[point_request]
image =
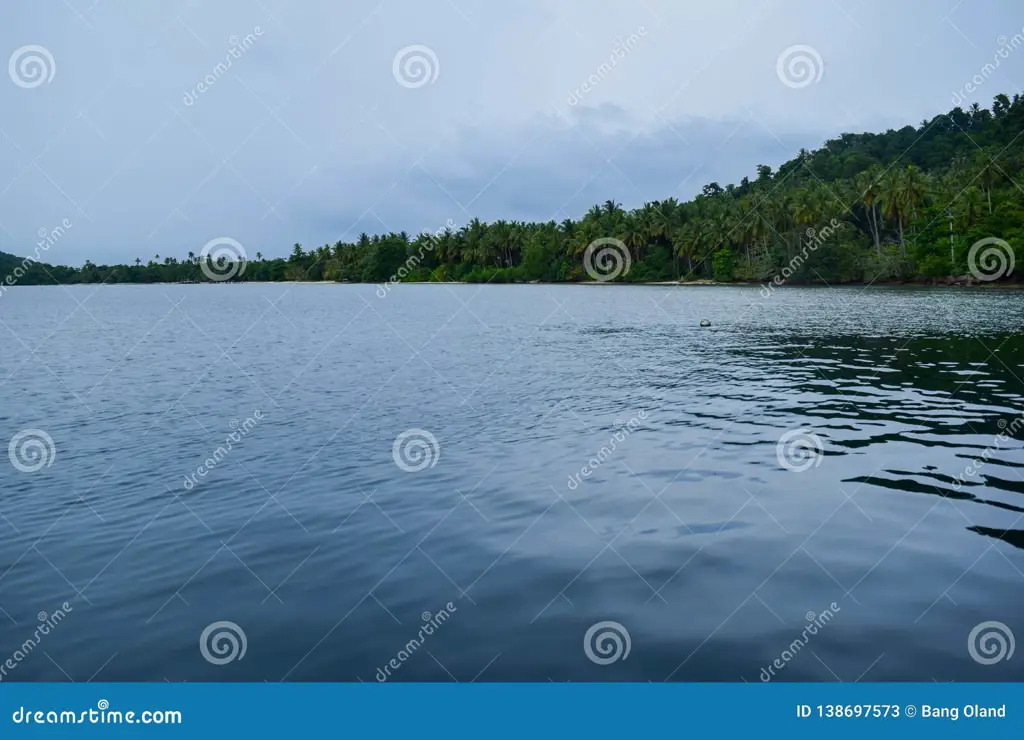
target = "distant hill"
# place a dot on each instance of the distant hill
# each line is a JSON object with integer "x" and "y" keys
{"x": 34, "y": 272}
{"x": 8, "y": 262}
{"x": 937, "y": 202}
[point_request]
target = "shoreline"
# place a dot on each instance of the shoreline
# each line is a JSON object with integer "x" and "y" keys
{"x": 585, "y": 283}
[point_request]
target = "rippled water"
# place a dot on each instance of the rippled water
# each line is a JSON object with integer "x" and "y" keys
{"x": 599, "y": 458}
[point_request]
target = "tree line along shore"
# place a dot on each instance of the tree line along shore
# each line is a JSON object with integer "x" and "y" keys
{"x": 939, "y": 202}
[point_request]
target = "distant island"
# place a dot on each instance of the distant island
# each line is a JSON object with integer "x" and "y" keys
{"x": 937, "y": 203}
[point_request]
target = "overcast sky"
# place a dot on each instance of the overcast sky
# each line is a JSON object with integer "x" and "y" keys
{"x": 314, "y": 133}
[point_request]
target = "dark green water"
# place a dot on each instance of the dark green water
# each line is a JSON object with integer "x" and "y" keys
{"x": 598, "y": 458}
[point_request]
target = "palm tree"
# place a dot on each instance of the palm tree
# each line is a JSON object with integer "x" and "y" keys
{"x": 803, "y": 212}
{"x": 870, "y": 194}
{"x": 448, "y": 248}
{"x": 892, "y": 198}
{"x": 612, "y": 217}
{"x": 915, "y": 189}
{"x": 988, "y": 177}
{"x": 634, "y": 235}
{"x": 475, "y": 233}
{"x": 693, "y": 239}
{"x": 611, "y": 208}
{"x": 1000, "y": 105}
{"x": 742, "y": 226}
{"x": 975, "y": 113}
{"x": 567, "y": 232}
{"x": 904, "y": 193}
{"x": 970, "y": 205}
{"x": 667, "y": 218}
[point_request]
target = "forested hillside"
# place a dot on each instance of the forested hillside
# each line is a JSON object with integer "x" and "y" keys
{"x": 900, "y": 205}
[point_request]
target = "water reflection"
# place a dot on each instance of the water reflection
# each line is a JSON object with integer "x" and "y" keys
{"x": 1013, "y": 537}
{"x": 951, "y": 392}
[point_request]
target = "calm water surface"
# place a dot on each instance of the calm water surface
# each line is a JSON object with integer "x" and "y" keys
{"x": 599, "y": 458}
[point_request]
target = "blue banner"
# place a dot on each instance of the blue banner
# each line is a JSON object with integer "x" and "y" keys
{"x": 510, "y": 710}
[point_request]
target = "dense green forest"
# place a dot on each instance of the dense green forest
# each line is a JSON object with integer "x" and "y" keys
{"x": 905, "y": 205}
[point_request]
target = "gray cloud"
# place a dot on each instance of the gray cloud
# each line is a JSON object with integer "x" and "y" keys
{"x": 308, "y": 137}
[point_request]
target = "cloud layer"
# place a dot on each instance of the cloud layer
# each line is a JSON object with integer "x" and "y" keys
{"x": 166, "y": 125}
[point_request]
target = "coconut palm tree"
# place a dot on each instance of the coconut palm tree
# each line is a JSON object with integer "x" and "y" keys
{"x": 634, "y": 235}
{"x": 613, "y": 212}
{"x": 893, "y": 205}
{"x": 694, "y": 238}
{"x": 868, "y": 184}
{"x": 988, "y": 175}
{"x": 969, "y": 207}
{"x": 915, "y": 188}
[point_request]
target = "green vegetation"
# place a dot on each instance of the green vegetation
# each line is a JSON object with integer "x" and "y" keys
{"x": 903, "y": 205}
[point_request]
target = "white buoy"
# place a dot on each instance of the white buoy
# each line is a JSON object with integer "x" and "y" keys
{"x": 705, "y": 322}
